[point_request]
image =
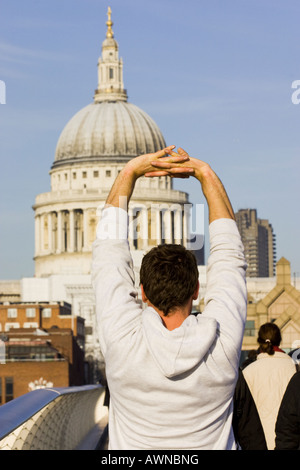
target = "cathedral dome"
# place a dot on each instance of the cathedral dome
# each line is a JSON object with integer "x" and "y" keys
{"x": 110, "y": 129}
{"x": 92, "y": 149}
{"x": 106, "y": 131}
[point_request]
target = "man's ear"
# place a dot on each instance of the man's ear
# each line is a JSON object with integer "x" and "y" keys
{"x": 144, "y": 298}
{"x": 196, "y": 293}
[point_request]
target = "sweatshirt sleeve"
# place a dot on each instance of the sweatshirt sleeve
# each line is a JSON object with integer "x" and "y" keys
{"x": 226, "y": 292}
{"x": 117, "y": 308}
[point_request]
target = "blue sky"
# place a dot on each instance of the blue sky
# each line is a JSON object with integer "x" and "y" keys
{"x": 215, "y": 75}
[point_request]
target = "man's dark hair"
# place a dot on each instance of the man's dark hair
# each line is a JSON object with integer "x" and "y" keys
{"x": 169, "y": 275}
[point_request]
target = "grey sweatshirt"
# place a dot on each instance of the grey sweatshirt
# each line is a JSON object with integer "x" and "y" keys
{"x": 169, "y": 389}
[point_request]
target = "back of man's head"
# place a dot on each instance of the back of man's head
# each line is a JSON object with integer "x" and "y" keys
{"x": 169, "y": 276}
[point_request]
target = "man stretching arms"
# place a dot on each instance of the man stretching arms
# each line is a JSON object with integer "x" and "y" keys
{"x": 171, "y": 375}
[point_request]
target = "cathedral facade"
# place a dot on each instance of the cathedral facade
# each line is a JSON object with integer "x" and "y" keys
{"x": 93, "y": 147}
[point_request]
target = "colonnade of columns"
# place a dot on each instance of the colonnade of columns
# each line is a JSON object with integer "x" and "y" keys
{"x": 69, "y": 231}
{"x": 157, "y": 224}
{"x": 64, "y": 231}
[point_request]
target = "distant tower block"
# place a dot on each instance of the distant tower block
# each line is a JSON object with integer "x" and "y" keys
{"x": 259, "y": 243}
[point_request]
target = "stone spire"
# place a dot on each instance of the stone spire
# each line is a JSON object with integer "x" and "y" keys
{"x": 110, "y": 69}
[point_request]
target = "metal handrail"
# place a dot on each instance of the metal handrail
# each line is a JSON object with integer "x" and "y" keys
{"x": 19, "y": 410}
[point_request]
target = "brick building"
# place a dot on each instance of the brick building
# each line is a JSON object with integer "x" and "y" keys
{"x": 41, "y": 344}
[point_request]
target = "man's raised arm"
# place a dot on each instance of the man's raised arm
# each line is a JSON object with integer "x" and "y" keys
{"x": 226, "y": 294}
{"x": 219, "y": 205}
{"x": 112, "y": 271}
{"x": 123, "y": 186}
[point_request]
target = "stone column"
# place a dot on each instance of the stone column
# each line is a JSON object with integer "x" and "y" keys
{"x": 158, "y": 226}
{"x": 131, "y": 227}
{"x": 152, "y": 226}
{"x": 66, "y": 230}
{"x": 50, "y": 239}
{"x": 37, "y": 235}
{"x": 185, "y": 224}
{"x": 144, "y": 229}
{"x": 78, "y": 230}
{"x": 85, "y": 230}
{"x": 178, "y": 226}
{"x": 42, "y": 238}
{"x": 168, "y": 226}
{"x": 72, "y": 231}
{"x": 59, "y": 231}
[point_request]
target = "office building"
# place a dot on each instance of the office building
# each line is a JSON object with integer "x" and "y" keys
{"x": 259, "y": 243}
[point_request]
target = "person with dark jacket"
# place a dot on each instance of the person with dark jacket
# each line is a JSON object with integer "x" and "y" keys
{"x": 268, "y": 377}
{"x": 288, "y": 419}
{"x": 247, "y": 427}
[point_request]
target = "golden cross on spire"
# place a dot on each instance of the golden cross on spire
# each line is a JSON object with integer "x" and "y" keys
{"x": 109, "y": 23}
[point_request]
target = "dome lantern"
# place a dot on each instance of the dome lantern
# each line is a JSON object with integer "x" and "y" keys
{"x": 110, "y": 69}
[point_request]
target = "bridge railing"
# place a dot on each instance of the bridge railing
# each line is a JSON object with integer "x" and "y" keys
{"x": 54, "y": 419}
